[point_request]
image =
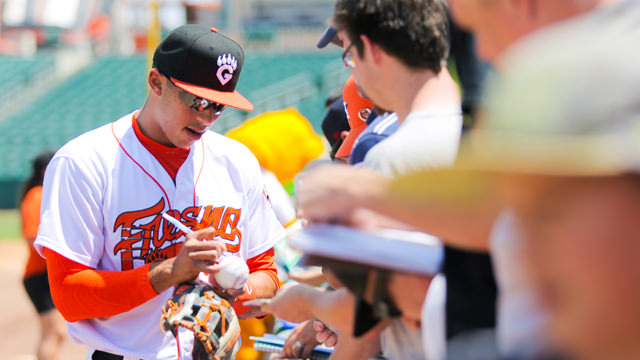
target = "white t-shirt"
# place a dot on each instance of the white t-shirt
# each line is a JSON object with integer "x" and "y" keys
{"x": 398, "y": 342}
{"x": 103, "y": 197}
{"x": 434, "y": 322}
{"x": 520, "y": 318}
{"x": 425, "y": 139}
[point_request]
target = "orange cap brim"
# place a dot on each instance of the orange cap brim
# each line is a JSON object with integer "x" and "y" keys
{"x": 347, "y": 145}
{"x": 233, "y": 99}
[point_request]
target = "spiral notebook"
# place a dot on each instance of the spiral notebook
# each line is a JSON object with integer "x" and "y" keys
{"x": 273, "y": 344}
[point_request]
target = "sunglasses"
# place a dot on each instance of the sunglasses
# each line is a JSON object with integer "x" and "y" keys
{"x": 348, "y": 59}
{"x": 197, "y": 103}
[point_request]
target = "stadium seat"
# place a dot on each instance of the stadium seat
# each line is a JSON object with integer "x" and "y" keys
{"x": 114, "y": 86}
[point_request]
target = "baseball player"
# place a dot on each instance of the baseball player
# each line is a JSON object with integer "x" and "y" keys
{"x": 113, "y": 260}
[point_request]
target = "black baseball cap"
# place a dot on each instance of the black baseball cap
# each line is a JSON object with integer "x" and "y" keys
{"x": 203, "y": 62}
{"x": 334, "y": 123}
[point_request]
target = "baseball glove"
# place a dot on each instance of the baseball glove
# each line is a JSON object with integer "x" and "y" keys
{"x": 194, "y": 306}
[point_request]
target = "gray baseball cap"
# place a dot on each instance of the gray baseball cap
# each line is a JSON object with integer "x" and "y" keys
{"x": 575, "y": 111}
{"x": 571, "y": 112}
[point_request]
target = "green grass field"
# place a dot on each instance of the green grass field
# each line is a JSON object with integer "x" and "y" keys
{"x": 9, "y": 225}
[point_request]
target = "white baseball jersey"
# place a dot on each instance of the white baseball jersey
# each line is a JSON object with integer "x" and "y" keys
{"x": 104, "y": 194}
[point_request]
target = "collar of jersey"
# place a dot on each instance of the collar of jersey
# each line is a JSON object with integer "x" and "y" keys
{"x": 171, "y": 158}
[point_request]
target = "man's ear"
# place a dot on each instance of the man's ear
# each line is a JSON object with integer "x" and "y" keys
{"x": 155, "y": 82}
{"x": 370, "y": 49}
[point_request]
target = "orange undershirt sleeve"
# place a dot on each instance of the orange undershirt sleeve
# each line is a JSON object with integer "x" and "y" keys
{"x": 80, "y": 292}
{"x": 265, "y": 262}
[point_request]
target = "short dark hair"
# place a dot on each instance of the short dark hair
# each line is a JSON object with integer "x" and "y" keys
{"x": 416, "y": 32}
{"x": 36, "y": 178}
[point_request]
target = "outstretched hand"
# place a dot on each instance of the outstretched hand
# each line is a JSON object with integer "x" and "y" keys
{"x": 291, "y": 303}
{"x": 324, "y": 335}
{"x": 300, "y": 342}
{"x": 330, "y": 193}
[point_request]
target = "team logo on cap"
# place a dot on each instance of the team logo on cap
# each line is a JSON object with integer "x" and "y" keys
{"x": 363, "y": 114}
{"x": 227, "y": 64}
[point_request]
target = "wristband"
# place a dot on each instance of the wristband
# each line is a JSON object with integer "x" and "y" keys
{"x": 248, "y": 294}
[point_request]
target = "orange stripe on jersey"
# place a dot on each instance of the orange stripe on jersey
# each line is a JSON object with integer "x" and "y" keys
{"x": 291, "y": 222}
{"x": 80, "y": 292}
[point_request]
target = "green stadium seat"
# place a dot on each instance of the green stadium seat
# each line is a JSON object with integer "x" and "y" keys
{"x": 113, "y": 86}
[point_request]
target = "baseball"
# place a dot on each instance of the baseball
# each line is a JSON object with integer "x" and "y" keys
{"x": 233, "y": 274}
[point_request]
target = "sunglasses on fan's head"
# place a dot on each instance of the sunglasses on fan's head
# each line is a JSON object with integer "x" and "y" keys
{"x": 196, "y": 103}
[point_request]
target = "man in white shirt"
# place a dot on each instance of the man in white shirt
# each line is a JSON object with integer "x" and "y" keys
{"x": 398, "y": 60}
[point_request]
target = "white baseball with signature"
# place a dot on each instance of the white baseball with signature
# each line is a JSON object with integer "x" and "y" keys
{"x": 233, "y": 274}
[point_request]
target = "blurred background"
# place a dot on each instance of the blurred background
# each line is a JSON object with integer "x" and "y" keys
{"x": 68, "y": 66}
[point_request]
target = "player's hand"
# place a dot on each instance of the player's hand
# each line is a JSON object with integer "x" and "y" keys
{"x": 229, "y": 294}
{"x": 330, "y": 193}
{"x": 300, "y": 342}
{"x": 324, "y": 335}
{"x": 199, "y": 253}
{"x": 237, "y": 295}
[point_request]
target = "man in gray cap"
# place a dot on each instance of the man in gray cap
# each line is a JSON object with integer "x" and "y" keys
{"x": 560, "y": 148}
